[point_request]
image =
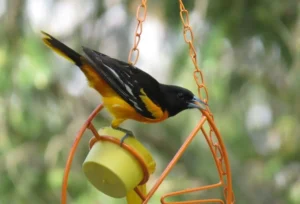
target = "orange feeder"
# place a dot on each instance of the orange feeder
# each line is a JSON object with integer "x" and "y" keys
{"x": 105, "y": 165}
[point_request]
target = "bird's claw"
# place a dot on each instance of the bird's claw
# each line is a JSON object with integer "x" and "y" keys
{"x": 128, "y": 133}
{"x": 124, "y": 137}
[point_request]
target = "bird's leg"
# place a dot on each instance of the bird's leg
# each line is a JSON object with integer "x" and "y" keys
{"x": 128, "y": 133}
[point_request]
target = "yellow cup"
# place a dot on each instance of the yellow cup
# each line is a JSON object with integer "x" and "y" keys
{"x": 114, "y": 170}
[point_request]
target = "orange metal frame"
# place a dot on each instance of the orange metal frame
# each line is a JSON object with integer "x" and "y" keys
{"x": 217, "y": 148}
{"x": 213, "y": 137}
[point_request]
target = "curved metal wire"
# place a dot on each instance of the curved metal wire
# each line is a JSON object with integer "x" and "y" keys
{"x": 72, "y": 153}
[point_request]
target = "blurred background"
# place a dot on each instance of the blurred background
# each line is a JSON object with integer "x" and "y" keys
{"x": 248, "y": 51}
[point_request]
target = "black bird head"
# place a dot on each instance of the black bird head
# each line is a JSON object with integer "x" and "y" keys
{"x": 178, "y": 99}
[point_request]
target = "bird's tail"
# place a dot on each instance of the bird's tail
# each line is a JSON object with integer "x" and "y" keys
{"x": 62, "y": 49}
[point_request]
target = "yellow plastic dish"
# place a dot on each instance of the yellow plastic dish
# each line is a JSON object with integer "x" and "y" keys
{"x": 112, "y": 169}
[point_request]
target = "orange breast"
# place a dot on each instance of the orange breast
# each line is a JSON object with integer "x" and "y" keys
{"x": 121, "y": 110}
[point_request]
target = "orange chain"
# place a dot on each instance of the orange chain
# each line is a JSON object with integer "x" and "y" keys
{"x": 219, "y": 149}
{"x": 189, "y": 39}
{"x": 141, "y": 14}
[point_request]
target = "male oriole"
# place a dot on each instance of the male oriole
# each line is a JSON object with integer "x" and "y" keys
{"x": 127, "y": 91}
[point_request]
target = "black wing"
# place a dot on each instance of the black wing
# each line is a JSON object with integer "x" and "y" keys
{"x": 126, "y": 80}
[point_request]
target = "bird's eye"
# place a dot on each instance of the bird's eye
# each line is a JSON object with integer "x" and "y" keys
{"x": 180, "y": 95}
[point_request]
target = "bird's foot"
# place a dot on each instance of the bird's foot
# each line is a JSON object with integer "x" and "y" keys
{"x": 128, "y": 133}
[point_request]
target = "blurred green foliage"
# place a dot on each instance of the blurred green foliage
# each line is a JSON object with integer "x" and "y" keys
{"x": 247, "y": 49}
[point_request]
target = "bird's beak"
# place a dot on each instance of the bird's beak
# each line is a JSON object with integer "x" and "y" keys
{"x": 197, "y": 103}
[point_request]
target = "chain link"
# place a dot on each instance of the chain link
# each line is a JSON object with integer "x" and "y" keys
{"x": 141, "y": 14}
{"x": 189, "y": 39}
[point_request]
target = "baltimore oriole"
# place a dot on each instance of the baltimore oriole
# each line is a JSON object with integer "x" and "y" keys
{"x": 127, "y": 91}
